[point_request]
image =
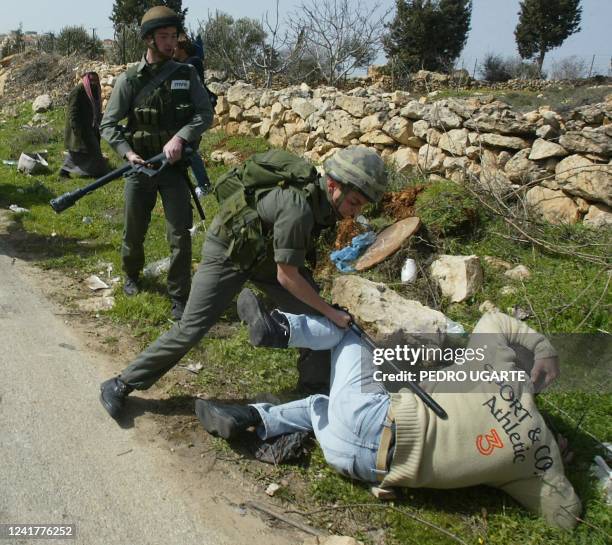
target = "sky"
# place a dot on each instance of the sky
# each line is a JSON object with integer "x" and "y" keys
{"x": 493, "y": 23}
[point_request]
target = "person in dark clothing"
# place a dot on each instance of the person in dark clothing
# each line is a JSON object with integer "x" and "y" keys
{"x": 185, "y": 52}
{"x": 82, "y": 130}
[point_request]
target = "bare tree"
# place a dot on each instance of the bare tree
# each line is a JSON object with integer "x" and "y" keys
{"x": 569, "y": 68}
{"x": 282, "y": 50}
{"x": 340, "y": 35}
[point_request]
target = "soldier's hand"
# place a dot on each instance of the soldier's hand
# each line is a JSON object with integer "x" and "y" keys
{"x": 339, "y": 317}
{"x": 174, "y": 149}
{"x": 134, "y": 158}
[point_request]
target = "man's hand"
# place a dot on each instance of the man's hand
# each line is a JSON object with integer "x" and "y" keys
{"x": 341, "y": 318}
{"x": 174, "y": 149}
{"x": 134, "y": 158}
{"x": 545, "y": 369}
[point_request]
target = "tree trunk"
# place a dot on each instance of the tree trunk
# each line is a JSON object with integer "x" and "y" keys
{"x": 541, "y": 62}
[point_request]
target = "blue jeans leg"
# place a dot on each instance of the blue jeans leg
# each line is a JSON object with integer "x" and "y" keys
{"x": 348, "y": 423}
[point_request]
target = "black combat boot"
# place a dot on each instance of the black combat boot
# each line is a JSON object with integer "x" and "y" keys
{"x": 226, "y": 421}
{"x": 112, "y": 395}
{"x": 130, "y": 286}
{"x": 265, "y": 328}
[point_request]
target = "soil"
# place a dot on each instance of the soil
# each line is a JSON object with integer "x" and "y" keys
{"x": 400, "y": 205}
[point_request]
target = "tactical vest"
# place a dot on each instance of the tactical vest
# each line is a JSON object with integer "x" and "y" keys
{"x": 162, "y": 113}
{"x": 238, "y": 192}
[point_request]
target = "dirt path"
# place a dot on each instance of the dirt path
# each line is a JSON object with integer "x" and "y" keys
{"x": 65, "y": 461}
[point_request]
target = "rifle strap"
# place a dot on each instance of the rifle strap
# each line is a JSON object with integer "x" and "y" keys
{"x": 159, "y": 78}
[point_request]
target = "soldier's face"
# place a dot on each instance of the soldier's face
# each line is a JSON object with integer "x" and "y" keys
{"x": 165, "y": 41}
{"x": 351, "y": 205}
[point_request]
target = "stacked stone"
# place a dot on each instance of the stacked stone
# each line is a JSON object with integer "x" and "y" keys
{"x": 563, "y": 165}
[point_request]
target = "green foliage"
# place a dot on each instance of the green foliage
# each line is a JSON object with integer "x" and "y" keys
{"x": 75, "y": 39}
{"x": 31, "y": 139}
{"x": 544, "y": 25}
{"x": 232, "y": 44}
{"x": 428, "y": 34}
{"x": 130, "y": 12}
{"x": 15, "y": 44}
{"x": 494, "y": 68}
{"x": 128, "y": 47}
{"x": 446, "y": 208}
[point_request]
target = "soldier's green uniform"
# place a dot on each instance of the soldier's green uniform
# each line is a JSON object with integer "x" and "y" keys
{"x": 289, "y": 219}
{"x": 289, "y": 215}
{"x": 178, "y": 106}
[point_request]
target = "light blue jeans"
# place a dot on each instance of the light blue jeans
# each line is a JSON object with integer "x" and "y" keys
{"x": 348, "y": 423}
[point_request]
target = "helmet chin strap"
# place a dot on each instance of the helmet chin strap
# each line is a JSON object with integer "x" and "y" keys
{"x": 336, "y": 205}
{"x": 155, "y": 48}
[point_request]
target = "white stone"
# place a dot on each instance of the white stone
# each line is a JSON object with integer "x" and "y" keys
{"x": 400, "y": 129}
{"x": 520, "y": 272}
{"x": 405, "y": 159}
{"x": 385, "y": 314}
{"x": 552, "y": 206}
{"x": 372, "y": 122}
{"x": 454, "y": 141}
{"x": 42, "y": 103}
{"x": 599, "y": 215}
{"x": 578, "y": 176}
{"x": 459, "y": 277}
{"x": 487, "y": 306}
{"x": 419, "y": 128}
{"x": 431, "y": 158}
{"x": 302, "y": 107}
{"x": 542, "y": 149}
{"x": 499, "y": 141}
{"x": 377, "y": 137}
{"x": 355, "y": 106}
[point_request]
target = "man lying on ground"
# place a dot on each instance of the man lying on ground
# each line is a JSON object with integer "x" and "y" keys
{"x": 494, "y": 434}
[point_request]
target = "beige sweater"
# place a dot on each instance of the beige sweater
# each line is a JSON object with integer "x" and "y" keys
{"x": 494, "y": 434}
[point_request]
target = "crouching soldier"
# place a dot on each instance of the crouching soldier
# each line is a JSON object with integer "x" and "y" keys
{"x": 271, "y": 212}
{"x": 495, "y": 438}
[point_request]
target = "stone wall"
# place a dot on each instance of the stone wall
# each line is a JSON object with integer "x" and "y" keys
{"x": 563, "y": 165}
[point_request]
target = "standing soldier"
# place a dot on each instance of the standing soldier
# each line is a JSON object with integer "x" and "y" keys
{"x": 166, "y": 108}
{"x": 271, "y": 211}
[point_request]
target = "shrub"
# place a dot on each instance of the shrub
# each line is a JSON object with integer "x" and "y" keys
{"x": 494, "y": 68}
{"x": 569, "y": 68}
{"x": 447, "y": 209}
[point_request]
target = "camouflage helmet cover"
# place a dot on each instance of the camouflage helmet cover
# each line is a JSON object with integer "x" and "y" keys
{"x": 159, "y": 17}
{"x": 361, "y": 168}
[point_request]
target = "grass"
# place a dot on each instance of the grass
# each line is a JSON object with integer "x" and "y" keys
{"x": 561, "y": 99}
{"x": 560, "y": 293}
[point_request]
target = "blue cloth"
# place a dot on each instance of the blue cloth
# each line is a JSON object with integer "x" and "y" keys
{"x": 344, "y": 257}
{"x": 348, "y": 424}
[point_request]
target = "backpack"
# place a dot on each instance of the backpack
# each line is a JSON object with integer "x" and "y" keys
{"x": 238, "y": 191}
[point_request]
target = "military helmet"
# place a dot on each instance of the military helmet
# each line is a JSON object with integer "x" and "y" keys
{"x": 360, "y": 168}
{"x": 159, "y": 17}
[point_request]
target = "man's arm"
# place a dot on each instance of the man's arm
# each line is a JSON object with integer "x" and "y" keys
{"x": 116, "y": 110}
{"x": 289, "y": 277}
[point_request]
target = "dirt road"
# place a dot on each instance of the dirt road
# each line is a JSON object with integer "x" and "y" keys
{"x": 64, "y": 461}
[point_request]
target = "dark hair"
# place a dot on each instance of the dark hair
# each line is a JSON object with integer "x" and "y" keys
{"x": 187, "y": 46}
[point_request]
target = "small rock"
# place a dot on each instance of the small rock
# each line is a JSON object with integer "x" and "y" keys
{"x": 157, "y": 268}
{"x": 87, "y": 220}
{"x": 488, "y": 306}
{"x": 96, "y": 304}
{"x": 18, "y": 209}
{"x": 520, "y": 272}
{"x": 41, "y": 103}
{"x": 273, "y": 489}
{"x": 519, "y": 313}
{"x": 194, "y": 367}
{"x": 459, "y": 277}
{"x": 94, "y": 283}
{"x": 507, "y": 290}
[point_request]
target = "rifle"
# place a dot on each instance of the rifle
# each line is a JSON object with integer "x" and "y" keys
{"x": 414, "y": 387}
{"x": 61, "y": 203}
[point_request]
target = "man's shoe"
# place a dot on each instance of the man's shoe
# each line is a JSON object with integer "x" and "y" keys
{"x": 265, "y": 329}
{"x": 112, "y": 395}
{"x": 178, "y": 308}
{"x": 64, "y": 173}
{"x": 130, "y": 286}
{"x": 226, "y": 421}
